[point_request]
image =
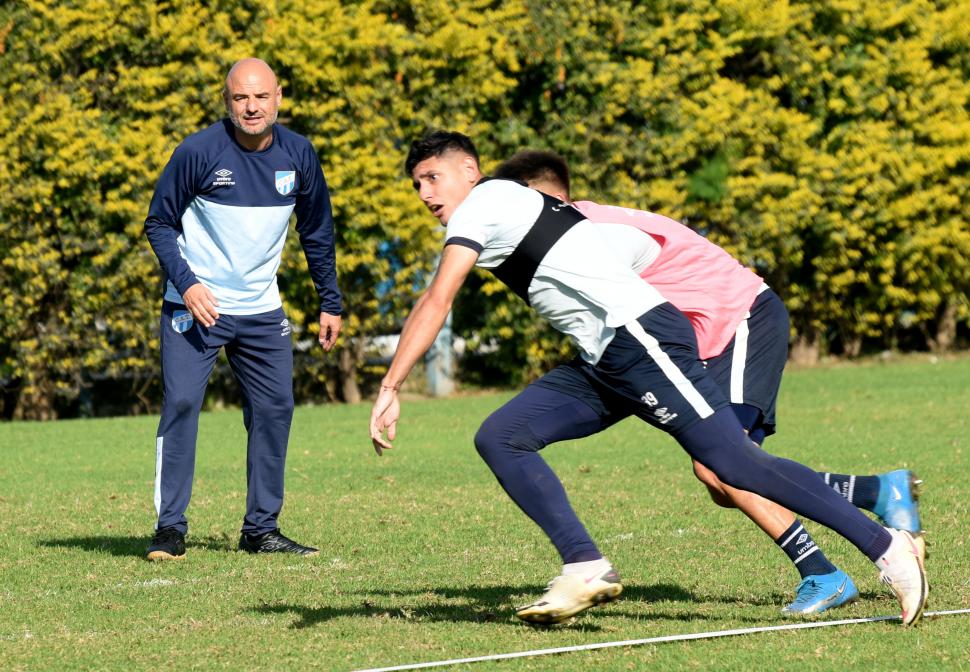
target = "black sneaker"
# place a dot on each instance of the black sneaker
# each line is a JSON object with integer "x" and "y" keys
{"x": 272, "y": 542}
{"x": 167, "y": 544}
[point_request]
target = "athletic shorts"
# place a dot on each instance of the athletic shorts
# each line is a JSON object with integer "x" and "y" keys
{"x": 749, "y": 369}
{"x": 650, "y": 369}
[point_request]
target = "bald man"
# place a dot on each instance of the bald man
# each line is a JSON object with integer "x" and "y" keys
{"x": 217, "y": 224}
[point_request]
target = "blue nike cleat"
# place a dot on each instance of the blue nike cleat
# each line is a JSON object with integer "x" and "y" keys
{"x": 896, "y": 505}
{"x": 817, "y": 593}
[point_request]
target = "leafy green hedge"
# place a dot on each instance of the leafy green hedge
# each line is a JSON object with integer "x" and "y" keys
{"x": 825, "y": 143}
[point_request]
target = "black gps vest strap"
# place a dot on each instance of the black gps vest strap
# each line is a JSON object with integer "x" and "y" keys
{"x": 555, "y": 219}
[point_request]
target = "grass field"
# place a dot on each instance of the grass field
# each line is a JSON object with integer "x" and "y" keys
{"x": 423, "y": 557}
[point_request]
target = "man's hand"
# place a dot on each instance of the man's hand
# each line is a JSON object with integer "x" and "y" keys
{"x": 417, "y": 335}
{"x": 329, "y": 330}
{"x": 386, "y": 411}
{"x": 202, "y": 304}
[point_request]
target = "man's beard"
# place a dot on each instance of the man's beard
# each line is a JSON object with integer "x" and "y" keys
{"x": 252, "y": 131}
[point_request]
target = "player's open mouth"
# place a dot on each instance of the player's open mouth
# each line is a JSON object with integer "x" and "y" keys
{"x": 436, "y": 209}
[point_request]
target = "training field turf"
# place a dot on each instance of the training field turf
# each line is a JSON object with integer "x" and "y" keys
{"x": 423, "y": 556}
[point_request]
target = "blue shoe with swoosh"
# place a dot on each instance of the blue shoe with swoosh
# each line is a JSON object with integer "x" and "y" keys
{"x": 820, "y": 592}
{"x": 897, "y": 503}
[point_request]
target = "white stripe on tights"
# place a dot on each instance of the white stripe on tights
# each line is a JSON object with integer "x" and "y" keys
{"x": 159, "y": 441}
{"x": 738, "y": 359}
{"x": 674, "y": 374}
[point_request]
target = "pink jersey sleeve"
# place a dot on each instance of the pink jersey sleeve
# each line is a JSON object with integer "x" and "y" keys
{"x": 706, "y": 283}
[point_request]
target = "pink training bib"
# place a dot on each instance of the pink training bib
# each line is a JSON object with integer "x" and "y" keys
{"x": 703, "y": 281}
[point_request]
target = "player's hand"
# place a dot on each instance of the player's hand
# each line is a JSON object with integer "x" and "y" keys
{"x": 329, "y": 330}
{"x": 202, "y": 304}
{"x": 386, "y": 411}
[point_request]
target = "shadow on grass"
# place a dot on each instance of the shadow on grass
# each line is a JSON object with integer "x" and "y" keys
{"x": 128, "y": 546}
{"x": 426, "y": 613}
{"x": 479, "y": 605}
{"x": 486, "y": 604}
{"x": 113, "y": 545}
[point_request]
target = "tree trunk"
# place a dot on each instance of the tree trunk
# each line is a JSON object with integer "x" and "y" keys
{"x": 853, "y": 345}
{"x": 806, "y": 350}
{"x": 946, "y": 328}
{"x": 35, "y": 405}
{"x": 347, "y": 370}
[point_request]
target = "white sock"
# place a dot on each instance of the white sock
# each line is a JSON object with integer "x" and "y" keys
{"x": 590, "y": 567}
{"x": 898, "y": 538}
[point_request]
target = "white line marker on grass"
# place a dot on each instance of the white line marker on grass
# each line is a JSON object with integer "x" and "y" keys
{"x": 655, "y": 640}
{"x": 156, "y": 583}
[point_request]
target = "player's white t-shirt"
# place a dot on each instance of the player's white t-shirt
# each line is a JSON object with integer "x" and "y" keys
{"x": 581, "y": 286}
{"x": 633, "y": 247}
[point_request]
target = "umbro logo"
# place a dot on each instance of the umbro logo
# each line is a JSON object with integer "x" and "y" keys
{"x": 223, "y": 178}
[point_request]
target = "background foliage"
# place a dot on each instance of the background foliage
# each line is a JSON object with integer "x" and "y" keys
{"x": 825, "y": 143}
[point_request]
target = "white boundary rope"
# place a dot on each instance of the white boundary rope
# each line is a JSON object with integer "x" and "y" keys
{"x": 656, "y": 640}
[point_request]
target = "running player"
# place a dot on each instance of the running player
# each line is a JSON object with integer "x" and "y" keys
{"x": 742, "y": 336}
{"x": 639, "y": 357}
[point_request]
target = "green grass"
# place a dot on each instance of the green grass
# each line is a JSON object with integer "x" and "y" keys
{"x": 424, "y": 557}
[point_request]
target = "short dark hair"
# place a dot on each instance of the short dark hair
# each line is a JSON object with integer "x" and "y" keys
{"x": 436, "y": 143}
{"x": 531, "y": 165}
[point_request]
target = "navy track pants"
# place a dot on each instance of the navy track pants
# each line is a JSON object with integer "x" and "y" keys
{"x": 261, "y": 357}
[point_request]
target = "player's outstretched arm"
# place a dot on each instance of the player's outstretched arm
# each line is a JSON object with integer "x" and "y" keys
{"x": 420, "y": 330}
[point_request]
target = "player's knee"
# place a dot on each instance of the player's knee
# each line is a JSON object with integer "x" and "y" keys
{"x": 720, "y": 498}
{"x": 283, "y": 408}
{"x": 487, "y": 443}
{"x": 705, "y": 475}
{"x": 713, "y": 484}
{"x": 183, "y": 404}
{"x": 276, "y": 408}
{"x": 493, "y": 440}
